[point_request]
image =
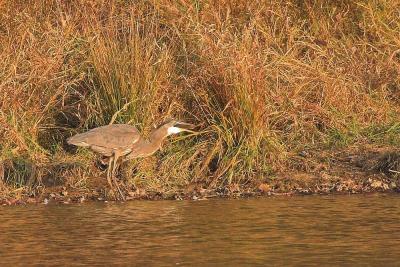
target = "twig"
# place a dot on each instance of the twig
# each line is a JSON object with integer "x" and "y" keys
{"x": 114, "y": 117}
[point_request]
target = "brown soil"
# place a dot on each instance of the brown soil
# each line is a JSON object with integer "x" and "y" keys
{"x": 351, "y": 170}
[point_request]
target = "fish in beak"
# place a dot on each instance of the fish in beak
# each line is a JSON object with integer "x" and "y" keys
{"x": 184, "y": 126}
{"x": 178, "y": 127}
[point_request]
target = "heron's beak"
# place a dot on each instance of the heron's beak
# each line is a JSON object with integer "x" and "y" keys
{"x": 185, "y": 126}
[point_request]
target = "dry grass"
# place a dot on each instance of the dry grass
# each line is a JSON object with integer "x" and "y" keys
{"x": 263, "y": 79}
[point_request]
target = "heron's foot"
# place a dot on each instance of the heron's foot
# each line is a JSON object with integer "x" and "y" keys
{"x": 121, "y": 194}
{"x": 101, "y": 166}
{"x": 114, "y": 194}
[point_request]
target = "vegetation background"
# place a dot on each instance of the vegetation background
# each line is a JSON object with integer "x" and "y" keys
{"x": 263, "y": 80}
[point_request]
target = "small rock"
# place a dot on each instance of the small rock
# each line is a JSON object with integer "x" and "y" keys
{"x": 385, "y": 186}
{"x": 52, "y": 195}
{"x": 195, "y": 197}
{"x": 264, "y": 187}
{"x": 392, "y": 185}
{"x": 304, "y": 154}
{"x": 31, "y": 200}
{"x": 45, "y": 201}
{"x": 203, "y": 191}
{"x": 64, "y": 193}
{"x": 376, "y": 184}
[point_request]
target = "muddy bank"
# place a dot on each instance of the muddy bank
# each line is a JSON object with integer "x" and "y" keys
{"x": 348, "y": 171}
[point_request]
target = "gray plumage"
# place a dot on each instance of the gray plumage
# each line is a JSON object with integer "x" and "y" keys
{"x": 124, "y": 140}
{"x": 107, "y": 139}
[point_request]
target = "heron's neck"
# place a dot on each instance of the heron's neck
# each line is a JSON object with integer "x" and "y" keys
{"x": 157, "y": 137}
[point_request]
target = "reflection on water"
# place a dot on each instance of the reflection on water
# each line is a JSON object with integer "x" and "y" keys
{"x": 334, "y": 230}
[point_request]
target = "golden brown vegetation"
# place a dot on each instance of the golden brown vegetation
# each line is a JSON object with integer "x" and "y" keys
{"x": 262, "y": 79}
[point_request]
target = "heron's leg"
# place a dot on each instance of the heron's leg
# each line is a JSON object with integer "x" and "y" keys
{"x": 116, "y": 157}
{"x": 109, "y": 171}
{"x": 109, "y": 174}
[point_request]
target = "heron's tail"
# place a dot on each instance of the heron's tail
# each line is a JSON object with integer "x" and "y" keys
{"x": 78, "y": 140}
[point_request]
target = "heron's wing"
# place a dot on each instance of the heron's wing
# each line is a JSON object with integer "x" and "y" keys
{"x": 114, "y": 136}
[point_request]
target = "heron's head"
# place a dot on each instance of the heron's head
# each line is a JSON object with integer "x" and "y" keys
{"x": 174, "y": 127}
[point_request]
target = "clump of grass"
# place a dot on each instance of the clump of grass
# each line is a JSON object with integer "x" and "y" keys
{"x": 261, "y": 79}
{"x": 389, "y": 163}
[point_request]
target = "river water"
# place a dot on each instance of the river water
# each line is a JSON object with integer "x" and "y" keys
{"x": 277, "y": 231}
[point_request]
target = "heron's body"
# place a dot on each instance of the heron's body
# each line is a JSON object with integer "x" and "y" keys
{"x": 124, "y": 140}
{"x": 121, "y": 138}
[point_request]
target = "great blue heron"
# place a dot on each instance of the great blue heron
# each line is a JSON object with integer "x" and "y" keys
{"x": 123, "y": 140}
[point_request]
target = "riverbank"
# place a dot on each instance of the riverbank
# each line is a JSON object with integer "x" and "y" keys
{"x": 366, "y": 171}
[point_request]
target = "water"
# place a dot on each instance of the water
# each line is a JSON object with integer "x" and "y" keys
{"x": 301, "y": 231}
